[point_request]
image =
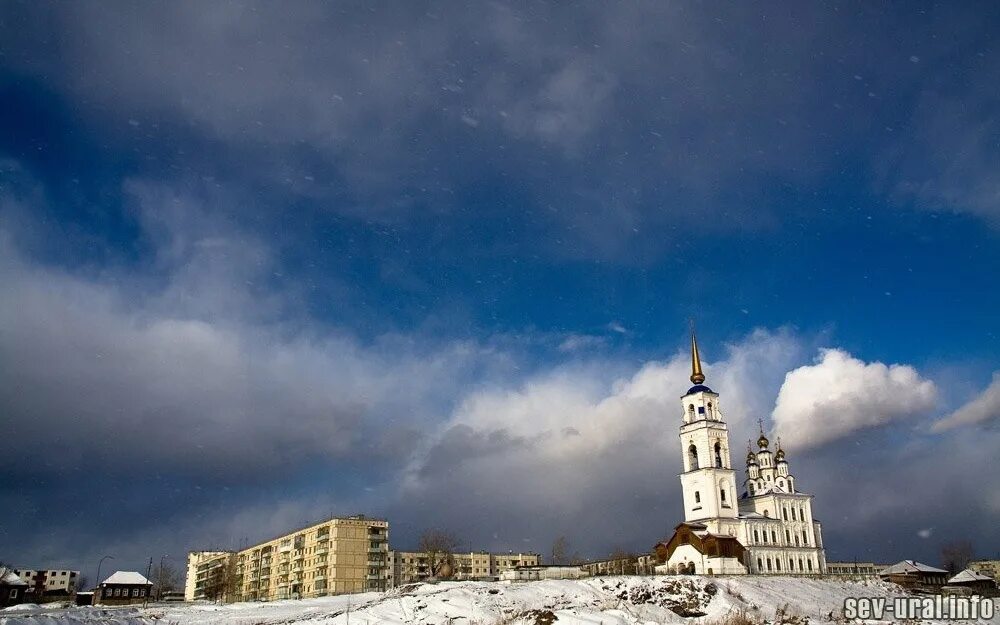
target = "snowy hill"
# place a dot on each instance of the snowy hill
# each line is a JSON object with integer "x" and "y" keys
{"x": 607, "y": 600}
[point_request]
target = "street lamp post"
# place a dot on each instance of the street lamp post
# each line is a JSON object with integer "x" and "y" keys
{"x": 98, "y": 580}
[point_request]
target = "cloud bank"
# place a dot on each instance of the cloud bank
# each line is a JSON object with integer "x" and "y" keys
{"x": 840, "y": 395}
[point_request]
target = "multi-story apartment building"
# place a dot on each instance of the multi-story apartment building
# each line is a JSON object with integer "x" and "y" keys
{"x": 42, "y": 581}
{"x": 339, "y": 555}
{"x": 415, "y": 566}
{"x": 987, "y": 567}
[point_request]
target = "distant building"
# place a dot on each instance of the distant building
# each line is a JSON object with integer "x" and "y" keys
{"x": 543, "y": 571}
{"x": 862, "y": 569}
{"x": 628, "y": 565}
{"x": 54, "y": 582}
{"x": 987, "y": 567}
{"x": 338, "y": 555}
{"x": 916, "y": 575}
{"x": 12, "y": 588}
{"x": 415, "y": 566}
{"x": 122, "y": 588}
{"x": 974, "y": 582}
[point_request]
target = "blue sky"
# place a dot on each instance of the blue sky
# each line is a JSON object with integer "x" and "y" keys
{"x": 263, "y": 265}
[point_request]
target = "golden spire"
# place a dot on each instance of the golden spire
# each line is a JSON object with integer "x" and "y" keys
{"x": 697, "y": 376}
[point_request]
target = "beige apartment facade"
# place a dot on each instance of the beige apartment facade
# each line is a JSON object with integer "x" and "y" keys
{"x": 335, "y": 556}
{"x": 415, "y": 566}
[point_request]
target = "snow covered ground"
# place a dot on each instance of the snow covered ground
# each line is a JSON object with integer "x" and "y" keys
{"x": 604, "y": 600}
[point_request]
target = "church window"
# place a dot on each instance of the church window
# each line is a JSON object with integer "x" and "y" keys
{"x": 788, "y": 537}
{"x": 750, "y": 486}
{"x": 697, "y": 497}
{"x": 722, "y": 493}
{"x": 766, "y": 513}
{"x": 760, "y": 564}
{"x": 784, "y": 512}
{"x": 800, "y": 564}
{"x": 777, "y": 564}
{"x": 809, "y": 563}
{"x": 796, "y": 540}
{"x": 769, "y": 564}
{"x": 774, "y": 537}
{"x": 805, "y": 538}
{"x": 693, "y": 457}
{"x": 756, "y": 536}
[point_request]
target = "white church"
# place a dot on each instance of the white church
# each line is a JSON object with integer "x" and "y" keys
{"x": 768, "y": 529}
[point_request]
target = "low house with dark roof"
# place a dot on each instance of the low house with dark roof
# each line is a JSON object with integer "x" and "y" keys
{"x": 12, "y": 588}
{"x": 913, "y": 574}
{"x": 974, "y": 582}
{"x": 123, "y": 588}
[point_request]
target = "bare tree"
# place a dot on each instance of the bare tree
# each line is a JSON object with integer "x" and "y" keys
{"x": 167, "y": 578}
{"x": 81, "y": 582}
{"x": 955, "y": 556}
{"x": 560, "y": 551}
{"x": 439, "y": 545}
{"x": 221, "y": 581}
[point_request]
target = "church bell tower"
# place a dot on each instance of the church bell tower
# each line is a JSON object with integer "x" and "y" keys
{"x": 708, "y": 481}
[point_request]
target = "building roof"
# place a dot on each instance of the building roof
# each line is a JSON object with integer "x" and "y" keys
{"x": 10, "y": 578}
{"x": 910, "y": 567}
{"x": 126, "y": 577}
{"x": 968, "y": 575}
{"x": 699, "y": 388}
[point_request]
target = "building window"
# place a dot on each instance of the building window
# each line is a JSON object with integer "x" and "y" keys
{"x": 718, "y": 455}
{"x": 693, "y": 457}
{"x": 760, "y": 565}
{"x": 722, "y": 493}
{"x": 784, "y": 512}
{"x": 750, "y": 486}
{"x": 805, "y": 538}
{"x": 777, "y": 564}
{"x": 135, "y": 592}
{"x": 766, "y": 513}
{"x": 774, "y": 537}
{"x": 809, "y": 563}
{"x": 697, "y": 497}
{"x": 769, "y": 564}
{"x": 756, "y": 537}
{"x": 800, "y": 564}
{"x": 788, "y": 537}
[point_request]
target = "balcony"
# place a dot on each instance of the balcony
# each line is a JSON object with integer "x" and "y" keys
{"x": 284, "y": 549}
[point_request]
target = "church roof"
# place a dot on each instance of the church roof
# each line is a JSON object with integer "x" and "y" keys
{"x": 699, "y": 388}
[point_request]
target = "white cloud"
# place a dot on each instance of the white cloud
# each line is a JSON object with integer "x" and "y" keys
{"x": 597, "y": 435}
{"x": 982, "y": 409}
{"x": 841, "y": 394}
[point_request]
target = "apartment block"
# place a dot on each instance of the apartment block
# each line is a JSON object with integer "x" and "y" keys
{"x": 49, "y": 581}
{"x": 415, "y": 566}
{"x": 339, "y": 555}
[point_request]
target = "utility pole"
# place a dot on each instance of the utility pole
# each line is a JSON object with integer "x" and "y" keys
{"x": 149, "y": 567}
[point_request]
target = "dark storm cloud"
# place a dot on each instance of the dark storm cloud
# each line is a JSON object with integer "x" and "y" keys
{"x": 394, "y": 109}
{"x": 189, "y": 370}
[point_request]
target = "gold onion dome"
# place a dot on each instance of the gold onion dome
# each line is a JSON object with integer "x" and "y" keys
{"x": 780, "y": 455}
{"x": 762, "y": 442}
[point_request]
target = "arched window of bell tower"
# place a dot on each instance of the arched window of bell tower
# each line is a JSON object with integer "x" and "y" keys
{"x": 718, "y": 454}
{"x": 693, "y": 457}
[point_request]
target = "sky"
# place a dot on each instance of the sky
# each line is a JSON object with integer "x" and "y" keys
{"x": 436, "y": 262}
